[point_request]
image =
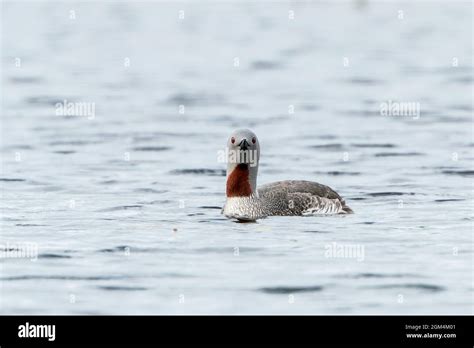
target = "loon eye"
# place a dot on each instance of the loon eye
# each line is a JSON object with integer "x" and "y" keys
{"x": 232, "y": 140}
{"x": 254, "y": 140}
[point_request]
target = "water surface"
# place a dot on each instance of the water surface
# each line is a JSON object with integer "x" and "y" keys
{"x": 124, "y": 207}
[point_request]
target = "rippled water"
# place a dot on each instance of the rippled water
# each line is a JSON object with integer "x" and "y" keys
{"x": 124, "y": 207}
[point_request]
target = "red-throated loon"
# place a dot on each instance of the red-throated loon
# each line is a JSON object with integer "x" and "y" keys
{"x": 246, "y": 202}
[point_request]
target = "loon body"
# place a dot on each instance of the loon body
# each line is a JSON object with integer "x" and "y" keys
{"x": 292, "y": 197}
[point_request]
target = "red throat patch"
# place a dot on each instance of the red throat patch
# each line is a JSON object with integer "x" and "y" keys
{"x": 238, "y": 182}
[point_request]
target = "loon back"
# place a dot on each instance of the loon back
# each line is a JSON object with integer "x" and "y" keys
{"x": 300, "y": 197}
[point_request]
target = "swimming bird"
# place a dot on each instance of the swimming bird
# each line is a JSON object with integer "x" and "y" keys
{"x": 246, "y": 202}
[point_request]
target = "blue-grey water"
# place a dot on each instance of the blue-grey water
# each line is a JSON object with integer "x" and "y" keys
{"x": 121, "y": 206}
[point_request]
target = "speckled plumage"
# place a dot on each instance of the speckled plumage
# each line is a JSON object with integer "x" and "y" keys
{"x": 283, "y": 198}
{"x": 300, "y": 197}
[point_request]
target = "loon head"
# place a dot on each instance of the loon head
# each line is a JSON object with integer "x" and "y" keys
{"x": 242, "y": 163}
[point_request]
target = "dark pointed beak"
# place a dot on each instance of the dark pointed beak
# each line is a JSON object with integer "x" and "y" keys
{"x": 244, "y": 145}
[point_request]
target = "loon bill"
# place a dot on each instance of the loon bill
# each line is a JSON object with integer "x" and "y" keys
{"x": 292, "y": 197}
